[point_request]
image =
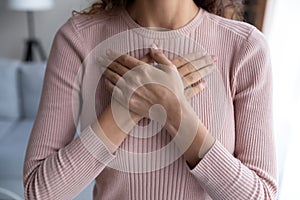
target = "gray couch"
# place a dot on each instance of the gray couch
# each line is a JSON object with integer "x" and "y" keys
{"x": 20, "y": 89}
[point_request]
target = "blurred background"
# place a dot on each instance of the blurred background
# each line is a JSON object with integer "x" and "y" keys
{"x": 27, "y": 28}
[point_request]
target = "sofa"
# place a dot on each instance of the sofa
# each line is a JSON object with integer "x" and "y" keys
{"x": 20, "y": 89}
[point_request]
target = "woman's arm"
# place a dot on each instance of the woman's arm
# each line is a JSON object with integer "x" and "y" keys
{"x": 57, "y": 166}
{"x": 107, "y": 129}
{"x": 161, "y": 85}
{"x": 251, "y": 172}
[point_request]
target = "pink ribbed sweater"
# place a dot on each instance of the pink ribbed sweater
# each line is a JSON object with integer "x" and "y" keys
{"x": 240, "y": 165}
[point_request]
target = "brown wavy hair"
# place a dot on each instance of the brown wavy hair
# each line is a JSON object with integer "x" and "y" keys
{"x": 232, "y": 9}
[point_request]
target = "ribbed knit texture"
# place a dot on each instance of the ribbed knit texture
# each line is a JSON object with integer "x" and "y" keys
{"x": 240, "y": 165}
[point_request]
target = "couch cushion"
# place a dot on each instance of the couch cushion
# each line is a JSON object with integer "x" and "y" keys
{"x": 31, "y": 78}
{"x": 6, "y": 126}
{"x": 12, "y": 153}
{"x": 14, "y": 186}
{"x": 9, "y": 90}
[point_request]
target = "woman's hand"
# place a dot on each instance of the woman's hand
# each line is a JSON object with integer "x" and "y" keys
{"x": 162, "y": 85}
{"x": 192, "y": 69}
{"x": 138, "y": 85}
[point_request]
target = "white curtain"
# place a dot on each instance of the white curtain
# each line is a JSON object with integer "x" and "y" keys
{"x": 283, "y": 33}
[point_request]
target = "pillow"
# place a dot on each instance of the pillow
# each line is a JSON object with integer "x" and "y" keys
{"x": 9, "y": 90}
{"x": 31, "y": 82}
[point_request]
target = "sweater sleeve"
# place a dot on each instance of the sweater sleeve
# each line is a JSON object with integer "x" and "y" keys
{"x": 251, "y": 172}
{"x": 56, "y": 165}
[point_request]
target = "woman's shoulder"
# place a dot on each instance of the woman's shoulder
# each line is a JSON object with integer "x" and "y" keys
{"x": 80, "y": 22}
{"x": 238, "y": 34}
{"x": 231, "y": 27}
{"x": 85, "y": 29}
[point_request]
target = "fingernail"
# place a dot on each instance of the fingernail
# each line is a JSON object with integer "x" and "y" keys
{"x": 108, "y": 52}
{"x": 203, "y": 85}
{"x": 214, "y": 58}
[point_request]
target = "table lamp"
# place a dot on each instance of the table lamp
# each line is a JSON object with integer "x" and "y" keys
{"x": 31, "y": 6}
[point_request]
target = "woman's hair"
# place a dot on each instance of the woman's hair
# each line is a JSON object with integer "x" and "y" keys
{"x": 232, "y": 9}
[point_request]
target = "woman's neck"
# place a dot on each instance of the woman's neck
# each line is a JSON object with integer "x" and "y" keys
{"x": 169, "y": 14}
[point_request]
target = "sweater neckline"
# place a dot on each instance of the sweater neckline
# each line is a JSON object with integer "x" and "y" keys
{"x": 158, "y": 34}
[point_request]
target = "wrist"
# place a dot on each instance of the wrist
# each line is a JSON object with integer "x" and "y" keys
{"x": 112, "y": 129}
{"x": 206, "y": 145}
{"x": 202, "y": 143}
{"x": 182, "y": 114}
{"x": 194, "y": 139}
{"x": 107, "y": 131}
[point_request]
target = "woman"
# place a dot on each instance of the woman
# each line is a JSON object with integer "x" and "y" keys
{"x": 226, "y": 143}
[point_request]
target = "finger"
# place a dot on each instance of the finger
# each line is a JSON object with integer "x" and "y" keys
{"x": 118, "y": 68}
{"x": 190, "y": 92}
{"x": 203, "y": 62}
{"x": 186, "y": 83}
{"x": 103, "y": 61}
{"x": 159, "y": 57}
{"x": 125, "y": 60}
{"x": 207, "y": 70}
{"x": 116, "y": 92}
{"x": 197, "y": 75}
{"x": 109, "y": 85}
{"x": 195, "y": 65}
{"x": 113, "y": 76}
{"x": 182, "y": 60}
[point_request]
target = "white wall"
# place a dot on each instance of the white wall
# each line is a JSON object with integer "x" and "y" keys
{"x": 13, "y": 26}
{"x": 284, "y": 40}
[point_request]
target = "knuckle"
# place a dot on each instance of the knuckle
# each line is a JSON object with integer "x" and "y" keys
{"x": 132, "y": 100}
{"x": 190, "y": 78}
{"x": 114, "y": 66}
{"x": 191, "y": 67}
{"x": 181, "y": 60}
{"x": 133, "y": 80}
{"x": 182, "y": 71}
